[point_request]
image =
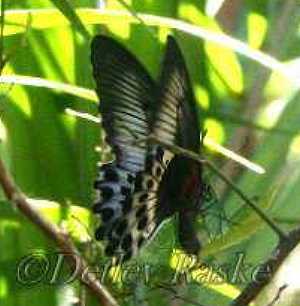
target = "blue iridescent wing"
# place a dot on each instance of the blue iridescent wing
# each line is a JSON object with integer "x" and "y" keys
{"x": 127, "y": 95}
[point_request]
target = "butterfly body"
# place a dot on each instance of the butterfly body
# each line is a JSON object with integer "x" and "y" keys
{"x": 145, "y": 184}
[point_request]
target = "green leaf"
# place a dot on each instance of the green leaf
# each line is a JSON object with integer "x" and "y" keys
{"x": 75, "y": 219}
{"x": 44, "y": 19}
{"x": 60, "y": 87}
{"x": 66, "y": 8}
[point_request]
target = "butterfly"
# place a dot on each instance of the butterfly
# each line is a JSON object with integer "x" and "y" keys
{"x": 145, "y": 184}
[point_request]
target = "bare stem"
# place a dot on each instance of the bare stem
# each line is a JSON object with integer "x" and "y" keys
{"x": 58, "y": 236}
{"x": 177, "y": 296}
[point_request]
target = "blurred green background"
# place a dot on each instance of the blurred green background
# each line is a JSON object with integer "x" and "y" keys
{"x": 249, "y": 106}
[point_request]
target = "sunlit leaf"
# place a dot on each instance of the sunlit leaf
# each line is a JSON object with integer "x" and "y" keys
{"x": 257, "y": 29}
{"x": 44, "y": 19}
{"x": 205, "y": 275}
{"x": 39, "y": 82}
{"x": 74, "y": 219}
{"x": 67, "y": 9}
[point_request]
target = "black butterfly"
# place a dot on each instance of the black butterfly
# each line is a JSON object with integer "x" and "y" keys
{"x": 147, "y": 184}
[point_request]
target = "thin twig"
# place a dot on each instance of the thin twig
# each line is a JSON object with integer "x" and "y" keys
{"x": 278, "y": 295}
{"x": 181, "y": 151}
{"x": 208, "y": 142}
{"x": 178, "y": 296}
{"x": 57, "y": 235}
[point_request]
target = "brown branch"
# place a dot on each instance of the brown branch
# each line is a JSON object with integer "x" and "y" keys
{"x": 278, "y": 295}
{"x": 228, "y": 15}
{"x": 268, "y": 269}
{"x": 58, "y": 236}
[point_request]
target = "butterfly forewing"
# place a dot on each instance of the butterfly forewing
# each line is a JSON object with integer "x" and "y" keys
{"x": 127, "y": 93}
{"x": 177, "y": 123}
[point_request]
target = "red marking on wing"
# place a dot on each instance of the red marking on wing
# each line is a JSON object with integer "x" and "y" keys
{"x": 191, "y": 186}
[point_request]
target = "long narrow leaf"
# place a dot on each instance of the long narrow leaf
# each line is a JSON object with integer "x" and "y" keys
{"x": 39, "y": 82}
{"x": 43, "y": 19}
{"x": 66, "y": 8}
